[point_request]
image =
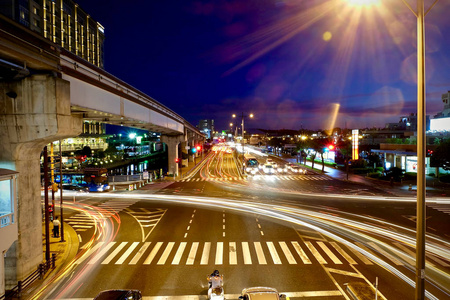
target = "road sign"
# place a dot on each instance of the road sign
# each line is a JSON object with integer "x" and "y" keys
{"x": 145, "y": 175}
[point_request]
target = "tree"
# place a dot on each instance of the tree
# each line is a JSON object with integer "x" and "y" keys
{"x": 302, "y": 145}
{"x": 319, "y": 146}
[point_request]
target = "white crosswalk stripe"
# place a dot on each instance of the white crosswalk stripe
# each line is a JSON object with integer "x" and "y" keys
{"x": 233, "y": 253}
{"x": 445, "y": 208}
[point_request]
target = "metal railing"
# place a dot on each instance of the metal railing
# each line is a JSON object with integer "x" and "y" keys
{"x": 16, "y": 292}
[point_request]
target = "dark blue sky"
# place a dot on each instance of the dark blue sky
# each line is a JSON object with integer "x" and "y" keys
{"x": 293, "y": 63}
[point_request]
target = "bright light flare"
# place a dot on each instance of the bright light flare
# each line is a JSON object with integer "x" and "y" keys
{"x": 363, "y": 2}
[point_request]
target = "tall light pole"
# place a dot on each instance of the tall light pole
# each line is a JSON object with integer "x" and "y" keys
{"x": 421, "y": 146}
{"x": 243, "y": 129}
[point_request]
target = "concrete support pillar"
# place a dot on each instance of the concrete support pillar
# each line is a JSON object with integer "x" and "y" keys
{"x": 37, "y": 115}
{"x": 172, "y": 143}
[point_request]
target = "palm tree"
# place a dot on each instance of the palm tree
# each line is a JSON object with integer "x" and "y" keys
{"x": 319, "y": 146}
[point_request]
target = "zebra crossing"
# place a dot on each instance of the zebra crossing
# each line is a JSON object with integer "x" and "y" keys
{"x": 445, "y": 208}
{"x": 260, "y": 177}
{"x": 86, "y": 220}
{"x": 234, "y": 253}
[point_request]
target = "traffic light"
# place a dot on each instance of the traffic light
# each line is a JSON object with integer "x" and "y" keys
{"x": 177, "y": 160}
{"x": 199, "y": 148}
{"x": 193, "y": 150}
{"x": 331, "y": 147}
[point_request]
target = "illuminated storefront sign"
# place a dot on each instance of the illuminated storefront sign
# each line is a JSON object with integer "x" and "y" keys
{"x": 355, "y": 142}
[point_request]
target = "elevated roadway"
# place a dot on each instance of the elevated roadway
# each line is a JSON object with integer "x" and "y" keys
{"x": 46, "y": 93}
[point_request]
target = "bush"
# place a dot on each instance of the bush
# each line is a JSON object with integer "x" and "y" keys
{"x": 374, "y": 175}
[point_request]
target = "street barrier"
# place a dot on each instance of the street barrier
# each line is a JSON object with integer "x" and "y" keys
{"x": 16, "y": 292}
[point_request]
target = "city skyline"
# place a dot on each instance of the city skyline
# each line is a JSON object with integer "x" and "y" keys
{"x": 293, "y": 64}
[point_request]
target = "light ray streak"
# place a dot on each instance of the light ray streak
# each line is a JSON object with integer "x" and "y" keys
{"x": 314, "y": 221}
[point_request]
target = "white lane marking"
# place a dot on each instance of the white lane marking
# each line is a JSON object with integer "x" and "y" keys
{"x": 127, "y": 253}
{"x": 316, "y": 253}
{"x": 101, "y": 253}
{"x": 152, "y": 254}
{"x": 360, "y": 256}
{"x": 189, "y": 227}
{"x": 192, "y": 253}
{"x": 246, "y": 253}
{"x": 330, "y": 253}
{"x": 273, "y": 252}
{"x": 179, "y": 253}
{"x": 166, "y": 253}
{"x": 301, "y": 253}
{"x": 262, "y": 233}
{"x": 219, "y": 253}
{"x": 139, "y": 254}
{"x": 233, "y": 253}
{"x": 385, "y": 253}
{"x": 223, "y": 227}
{"x": 260, "y": 253}
{"x": 185, "y": 235}
{"x": 343, "y": 253}
{"x": 114, "y": 253}
{"x": 205, "y": 254}
{"x": 287, "y": 253}
{"x": 89, "y": 253}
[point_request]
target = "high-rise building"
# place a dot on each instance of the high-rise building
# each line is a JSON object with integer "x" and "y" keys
{"x": 61, "y": 21}
{"x": 206, "y": 126}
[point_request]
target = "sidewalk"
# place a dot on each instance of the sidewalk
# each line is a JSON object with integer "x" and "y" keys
{"x": 158, "y": 184}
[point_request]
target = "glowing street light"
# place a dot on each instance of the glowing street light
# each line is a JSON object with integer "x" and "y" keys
{"x": 363, "y": 2}
{"x": 421, "y": 139}
{"x": 243, "y": 131}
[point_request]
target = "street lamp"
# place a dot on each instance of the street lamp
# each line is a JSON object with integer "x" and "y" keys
{"x": 421, "y": 142}
{"x": 243, "y": 130}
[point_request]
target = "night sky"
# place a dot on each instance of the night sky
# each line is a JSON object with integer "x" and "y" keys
{"x": 294, "y": 64}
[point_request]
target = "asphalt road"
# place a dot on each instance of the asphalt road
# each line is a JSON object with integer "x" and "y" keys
{"x": 306, "y": 235}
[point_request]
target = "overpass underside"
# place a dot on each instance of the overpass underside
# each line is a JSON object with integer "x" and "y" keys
{"x": 45, "y": 94}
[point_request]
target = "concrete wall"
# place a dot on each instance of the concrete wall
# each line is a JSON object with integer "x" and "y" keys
{"x": 38, "y": 115}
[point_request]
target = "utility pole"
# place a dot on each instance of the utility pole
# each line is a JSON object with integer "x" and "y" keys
{"x": 46, "y": 213}
{"x": 61, "y": 192}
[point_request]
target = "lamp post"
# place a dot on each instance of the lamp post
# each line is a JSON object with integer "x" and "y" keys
{"x": 243, "y": 130}
{"x": 421, "y": 146}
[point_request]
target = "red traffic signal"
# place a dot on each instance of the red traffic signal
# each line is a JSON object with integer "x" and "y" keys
{"x": 331, "y": 147}
{"x": 177, "y": 160}
{"x": 198, "y": 148}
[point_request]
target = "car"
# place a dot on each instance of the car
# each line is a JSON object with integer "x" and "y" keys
{"x": 269, "y": 169}
{"x": 119, "y": 295}
{"x": 261, "y": 293}
{"x": 289, "y": 165}
{"x": 282, "y": 169}
{"x": 296, "y": 169}
{"x": 75, "y": 187}
{"x": 269, "y": 161}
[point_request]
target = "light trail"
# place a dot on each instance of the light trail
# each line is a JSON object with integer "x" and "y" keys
{"x": 338, "y": 228}
{"x": 104, "y": 231}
